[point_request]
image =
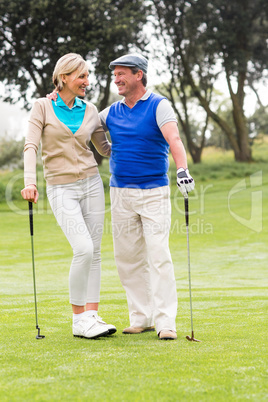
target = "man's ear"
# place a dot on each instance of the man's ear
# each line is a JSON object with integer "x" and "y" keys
{"x": 139, "y": 75}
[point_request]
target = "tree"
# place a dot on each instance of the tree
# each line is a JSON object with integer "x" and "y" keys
{"x": 223, "y": 108}
{"x": 184, "y": 105}
{"x": 258, "y": 122}
{"x": 35, "y": 33}
{"x": 209, "y": 37}
{"x": 178, "y": 89}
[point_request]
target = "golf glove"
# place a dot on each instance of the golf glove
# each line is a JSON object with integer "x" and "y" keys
{"x": 185, "y": 182}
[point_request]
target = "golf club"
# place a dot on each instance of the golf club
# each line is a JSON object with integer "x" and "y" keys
{"x": 38, "y": 336}
{"x": 186, "y": 205}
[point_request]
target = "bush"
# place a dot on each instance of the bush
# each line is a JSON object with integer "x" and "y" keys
{"x": 11, "y": 152}
{"x": 2, "y": 192}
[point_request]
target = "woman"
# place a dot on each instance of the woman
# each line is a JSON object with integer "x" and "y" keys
{"x": 74, "y": 187}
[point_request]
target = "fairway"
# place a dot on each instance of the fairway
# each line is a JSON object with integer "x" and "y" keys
{"x": 228, "y": 250}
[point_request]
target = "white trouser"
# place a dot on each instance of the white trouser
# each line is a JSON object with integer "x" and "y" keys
{"x": 141, "y": 223}
{"x": 79, "y": 210}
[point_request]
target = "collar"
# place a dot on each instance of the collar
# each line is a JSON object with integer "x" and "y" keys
{"x": 59, "y": 102}
{"x": 143, "y": 98}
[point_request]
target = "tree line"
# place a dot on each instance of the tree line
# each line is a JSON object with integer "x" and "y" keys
{"x": 196, "y": 41}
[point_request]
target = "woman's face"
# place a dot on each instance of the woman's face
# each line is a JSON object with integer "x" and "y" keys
{"x": 76, "y": 85}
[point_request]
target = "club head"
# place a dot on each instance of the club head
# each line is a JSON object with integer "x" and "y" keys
{"x": 192, "y": 339}
{"x": 40, "y": 336}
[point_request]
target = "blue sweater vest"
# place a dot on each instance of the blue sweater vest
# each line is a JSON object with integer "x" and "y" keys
{"x": 139, "y": 151}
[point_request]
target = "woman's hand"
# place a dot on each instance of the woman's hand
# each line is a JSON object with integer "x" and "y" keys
{"x": 30, "y": 193}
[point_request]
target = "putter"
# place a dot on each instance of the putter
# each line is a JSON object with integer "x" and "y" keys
{"x": 38, "y": 336}
{"x": 186, "y": 205}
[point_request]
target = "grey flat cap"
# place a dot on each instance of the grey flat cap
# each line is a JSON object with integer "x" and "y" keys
{"x": 131, "y": 60}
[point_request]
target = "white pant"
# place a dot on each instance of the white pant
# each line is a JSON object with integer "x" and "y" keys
{"x": 141, "y": 224}
{"x": 79, "y": 210}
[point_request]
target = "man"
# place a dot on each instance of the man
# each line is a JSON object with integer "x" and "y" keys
{"x": 143, "y": 127}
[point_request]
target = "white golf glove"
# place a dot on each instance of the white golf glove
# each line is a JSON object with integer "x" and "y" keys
{"x": 185, "y": 182}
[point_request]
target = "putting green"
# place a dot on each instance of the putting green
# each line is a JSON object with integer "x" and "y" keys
{"x": 228, "y": 250}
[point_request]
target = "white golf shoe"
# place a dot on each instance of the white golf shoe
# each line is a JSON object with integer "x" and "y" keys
{"x": 111, "y": 328}
{"x": 89, "y": 327}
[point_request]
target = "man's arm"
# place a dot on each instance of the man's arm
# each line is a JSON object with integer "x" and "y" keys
{"x": 171, "y": 134}
{"x": 185, "y": 181}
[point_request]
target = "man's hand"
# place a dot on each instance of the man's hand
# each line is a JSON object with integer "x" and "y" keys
{"x": 52, "y": 96}
{"x": 30, "y": 193}
{"x": 185, "y": 182}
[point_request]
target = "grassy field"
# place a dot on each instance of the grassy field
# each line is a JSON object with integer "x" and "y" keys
{"x": 228, "y": 246}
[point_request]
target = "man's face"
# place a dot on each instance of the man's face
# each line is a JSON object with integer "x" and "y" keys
{"x": 125, "y": 80}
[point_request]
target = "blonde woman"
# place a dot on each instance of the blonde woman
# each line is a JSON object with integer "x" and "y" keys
{"x": 74, "y": 187}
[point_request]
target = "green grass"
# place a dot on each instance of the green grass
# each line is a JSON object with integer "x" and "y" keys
{"x": 229, "y": 290}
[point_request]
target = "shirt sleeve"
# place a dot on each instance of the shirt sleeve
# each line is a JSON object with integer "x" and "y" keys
{"x": 32, "y": 141}
{"x": 103, "y": 116}
{"x": 99, "y": 138}
{"x": 29, "y": 167}
{"x": 35, "y": 127}
{"x": 164, "y": 113}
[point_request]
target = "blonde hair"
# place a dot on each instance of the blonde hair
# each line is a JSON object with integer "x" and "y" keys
{"x": 67, "y": 64}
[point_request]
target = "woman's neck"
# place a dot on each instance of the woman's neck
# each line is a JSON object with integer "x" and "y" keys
{"x": 67, "y": 98}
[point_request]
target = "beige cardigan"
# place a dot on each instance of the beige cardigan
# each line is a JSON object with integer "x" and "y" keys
{"x": 66, "y": 156}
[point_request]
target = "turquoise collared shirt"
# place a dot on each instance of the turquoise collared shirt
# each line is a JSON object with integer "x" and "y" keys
{"x": 73, "y": 117}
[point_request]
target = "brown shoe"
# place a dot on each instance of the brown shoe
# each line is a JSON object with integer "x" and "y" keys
{"x": 137, "y": 330}
{"x": 167, "y": 334}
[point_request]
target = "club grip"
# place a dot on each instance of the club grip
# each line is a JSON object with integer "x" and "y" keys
{"x": 186, "y": 205}
{"x": 31, "y": 217}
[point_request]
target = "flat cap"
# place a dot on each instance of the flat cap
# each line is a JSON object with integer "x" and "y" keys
{"x": 131, "y": 60}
